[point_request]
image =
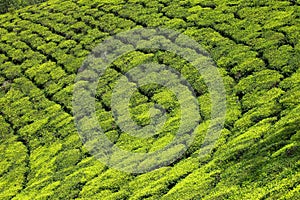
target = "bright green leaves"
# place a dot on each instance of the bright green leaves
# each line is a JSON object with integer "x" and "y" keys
{"x": 67, "y": 159}
{"x": 64, "y": 96}
{"x": 263, "y": 80}
{"x": 242, "y": 143}
{"x": 31, "y": 129}
{"x": 109, "y": 181}
{"x": 41, "y": 73}
{"x": 292, "y": 33}
{"x": 106, "y": 121}
{"x": 194, "y": 186}
{"x": 137, "y": 99}
{"x": 279, "y": 57}
{"x": 166, "y": 99}
{"x": 141, "y": 114}
{"x": 256, "y": 47}
{"x": 288, "y": 150}
{"x": 13, "y": 168}
{"x": 5, "y": 129}
{"x": 16, "y": 4}
{"x": 257, "y": 99}
{"x": 48, "y": 48}
{"x": 247, "y": 66}
{"x": 173, "y": 11}
{"x": 176, "y": 23}
{"x": 10, "y": 70}
{"x": 278, "y": 19}
{"x": 291, "y": 84}
{"x": 131, "y": 60}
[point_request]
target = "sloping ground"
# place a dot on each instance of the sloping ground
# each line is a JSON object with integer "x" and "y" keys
{"x": 6, "y": 6}
{"x": 255, "y": 45}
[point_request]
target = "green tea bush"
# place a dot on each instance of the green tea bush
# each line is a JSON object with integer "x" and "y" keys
{"x": 5, "y": 6}
{"x": 255, "y": 46}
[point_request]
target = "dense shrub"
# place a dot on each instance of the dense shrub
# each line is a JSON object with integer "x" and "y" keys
{"x": 255, "y": 46}
{"x": 15, "y": 4}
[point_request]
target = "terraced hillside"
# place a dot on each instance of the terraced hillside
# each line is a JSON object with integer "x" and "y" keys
{"x": 11, "y": 5}
{"x": 255, "y": 45}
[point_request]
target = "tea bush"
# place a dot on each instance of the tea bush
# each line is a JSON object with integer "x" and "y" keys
{"x": 255, "y": 47}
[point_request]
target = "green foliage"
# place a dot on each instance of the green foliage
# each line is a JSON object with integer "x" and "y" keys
{"x": 255, "y": 45}
{"x": 263, "y": 80}
{"x": 13, "y": 167}
{"x": 67, "y": 159}
{"x": 5, "y": 6}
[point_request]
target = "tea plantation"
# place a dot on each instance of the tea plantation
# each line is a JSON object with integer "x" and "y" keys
{"x": 255, "y": 46}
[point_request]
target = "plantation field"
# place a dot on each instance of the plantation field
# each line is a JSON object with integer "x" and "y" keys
{"x": 255, "y": 47}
